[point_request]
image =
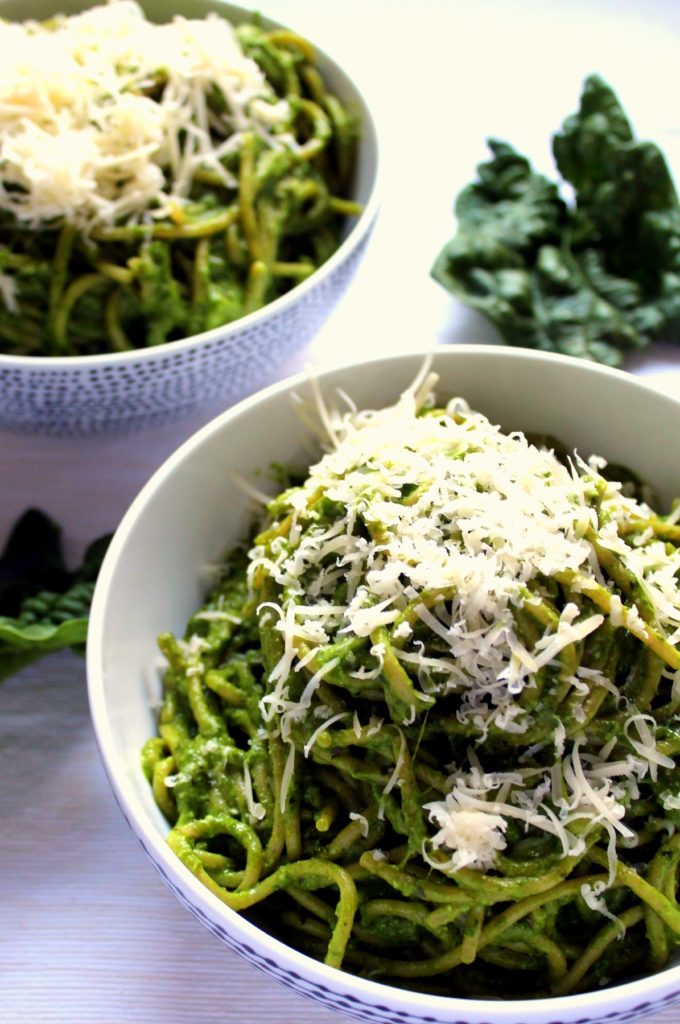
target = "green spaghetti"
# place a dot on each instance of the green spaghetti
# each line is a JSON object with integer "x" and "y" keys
{"x": 157, "y": 181}
{"x": 425, "y": 727}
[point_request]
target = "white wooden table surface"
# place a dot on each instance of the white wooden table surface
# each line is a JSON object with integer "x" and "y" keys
{"x": 88, "y": 933}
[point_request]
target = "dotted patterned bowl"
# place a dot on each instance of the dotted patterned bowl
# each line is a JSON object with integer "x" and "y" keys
{"x": 153, "y": 578}
{"x": 128, "y": 390}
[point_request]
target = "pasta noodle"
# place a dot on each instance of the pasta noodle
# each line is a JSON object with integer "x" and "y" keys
{"x": 425, "y": 727}
{"x": 174, "y": 200}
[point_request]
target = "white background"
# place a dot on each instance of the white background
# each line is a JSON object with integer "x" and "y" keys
{"x": 88, "y": 933}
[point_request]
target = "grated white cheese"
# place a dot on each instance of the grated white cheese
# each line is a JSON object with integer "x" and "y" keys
{"x": 255, "y": 809}
{"x": 363, "y": 821}
{"x": 644, "y": 743}
{"x": 86, "y": 134}
{"x": 592, "y": 897}
{"x": 216, "y": 615}
{"x": 473, "y": 834}
{"x": 322, "y": 728}
{"x": 479, "y": 526}
{"x": 287, "y": 776}
{"x": 443, "y": 524}
{"x": 472, "y": 822}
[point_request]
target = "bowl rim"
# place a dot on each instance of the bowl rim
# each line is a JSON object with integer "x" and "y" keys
{"x": 225, "y": 333}
{"x": 634, "y": 995}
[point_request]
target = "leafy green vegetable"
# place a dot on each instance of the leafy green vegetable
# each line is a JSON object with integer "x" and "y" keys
{"x": 594, "y": 278}
{"x": 43, "y": 606}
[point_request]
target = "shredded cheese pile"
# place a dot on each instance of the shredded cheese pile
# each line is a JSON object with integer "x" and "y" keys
{"x": 446, "y": 515}
{"x": 105, "y": 116}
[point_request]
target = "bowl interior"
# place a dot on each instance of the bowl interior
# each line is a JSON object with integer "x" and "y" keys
{"x": 158, "y": 565}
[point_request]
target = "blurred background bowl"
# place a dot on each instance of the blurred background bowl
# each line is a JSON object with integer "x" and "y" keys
{"x": 193, "y": 510}
{"x": 127, "y": 390}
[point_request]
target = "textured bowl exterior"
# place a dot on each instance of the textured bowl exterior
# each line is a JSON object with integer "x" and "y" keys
{"x": 154, "y": 576}
{"x": 111, "y": 394}
{"x": 105, "y": 394}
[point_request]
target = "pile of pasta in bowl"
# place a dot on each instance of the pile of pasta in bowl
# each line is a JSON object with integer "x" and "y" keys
{"x": 423, "y": 727}
{"x": 180, "y": 206}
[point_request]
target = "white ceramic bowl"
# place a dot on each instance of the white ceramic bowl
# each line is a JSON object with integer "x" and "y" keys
{"x": 191, "y": 511}
{"x": 126, "y": 390}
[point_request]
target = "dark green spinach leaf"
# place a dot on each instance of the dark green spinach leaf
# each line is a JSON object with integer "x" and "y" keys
{"x": 43, "y": 605}
{"x": 594, "y": 278}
